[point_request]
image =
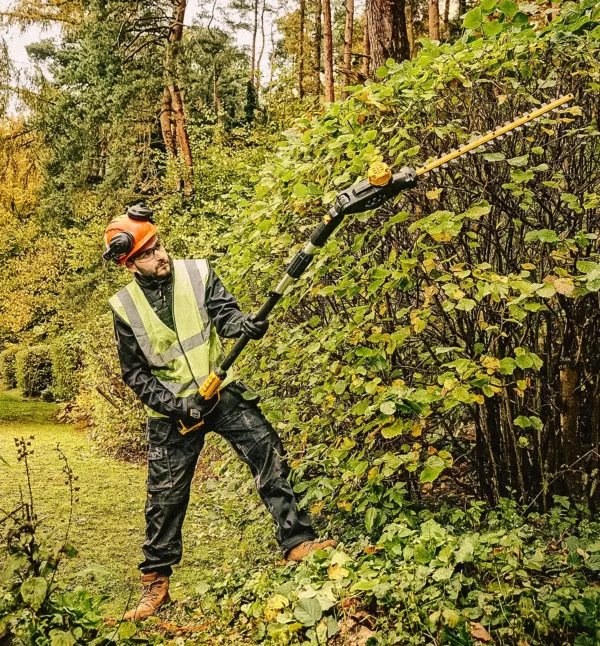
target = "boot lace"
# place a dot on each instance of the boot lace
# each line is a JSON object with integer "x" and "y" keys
{"x": 151, "y": 593}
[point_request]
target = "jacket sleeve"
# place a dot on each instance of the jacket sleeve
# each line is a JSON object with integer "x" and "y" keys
{"x": 223, "y": 309}
{"x": 137, "y": 375}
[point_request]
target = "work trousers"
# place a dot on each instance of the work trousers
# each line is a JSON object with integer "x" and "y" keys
{"x": 172, "y": 459}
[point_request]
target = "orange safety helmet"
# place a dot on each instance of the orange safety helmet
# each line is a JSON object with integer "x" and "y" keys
{"x": 128, "y": 233}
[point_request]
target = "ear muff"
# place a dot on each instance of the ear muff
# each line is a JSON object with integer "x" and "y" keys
{"x": 140, "y": 212}
{"x": 121, "y": 244}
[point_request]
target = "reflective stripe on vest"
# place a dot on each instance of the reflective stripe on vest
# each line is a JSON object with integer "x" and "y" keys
{"x": 180, "y": 360}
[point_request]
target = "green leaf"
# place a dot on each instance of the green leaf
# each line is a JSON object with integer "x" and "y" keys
{"x": 585, "y": 266}
{"x": 488, "y": 5}
{"x": 522, "y": 422}
{"x": 387, "y": 408}
{"x": 34, "y": 591}
{"x": 519, "y": 161}
{"x": 473, "y": 19}
{"x": 536, "y": 423}
{"x": 465, "y": 552}
{"x": 466, "y": 304}
{"x": 127, "y": 630}
{"x": 308, "y": 611}
{"x": 13, "y": 563}
{"x": 507, "y": 366}
{"x": 61, "y": 638}
{"x": 388, "y": 432}
{"x": 593, "y": 563}
{"x": 370, "y": 518}
{"x": 493, "y": 157}
{"x": 493, "y": 28}
{"x": 300, "y": 190}
{"x": 521, "y": 177}
{"x": 382, "y": 72}
{"x": 433, "y": 467}
{"x": 542, "y": 235}
{"x": 508, "y": 8}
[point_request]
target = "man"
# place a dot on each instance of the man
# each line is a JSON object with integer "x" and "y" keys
{"x": 167, "y": 322}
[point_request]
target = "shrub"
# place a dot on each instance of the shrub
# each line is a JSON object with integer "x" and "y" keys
{"x": 104, "y": 403}
{"x": 66, "y": 357}
{"x": 8, "y": 375}
{"x": 34, "y": 370}
{"x": 453, "y": 317}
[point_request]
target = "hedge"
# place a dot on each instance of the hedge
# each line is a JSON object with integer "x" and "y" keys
{"x": 34, "y": 370}
{"x": 66, "y": 355}
{"x": 8, "y": 375}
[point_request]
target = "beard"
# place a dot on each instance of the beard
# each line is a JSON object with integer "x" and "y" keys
{"x": 160, "y": 272}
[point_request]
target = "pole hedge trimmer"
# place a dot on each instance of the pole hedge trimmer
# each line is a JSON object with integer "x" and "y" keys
{"x": 379, "y": 187}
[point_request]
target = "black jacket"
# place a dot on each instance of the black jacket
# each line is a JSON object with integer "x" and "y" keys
{"x": 225, "y": 315}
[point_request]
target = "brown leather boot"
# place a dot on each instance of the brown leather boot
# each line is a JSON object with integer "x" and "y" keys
{"x": 304, "y": 549}
{"x": 156, "y": 594}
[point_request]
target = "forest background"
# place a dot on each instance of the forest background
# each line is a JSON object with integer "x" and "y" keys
{"x": 436, "y": 373}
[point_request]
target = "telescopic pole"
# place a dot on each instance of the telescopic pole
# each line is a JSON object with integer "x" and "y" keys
{"x": 380, "y": 186}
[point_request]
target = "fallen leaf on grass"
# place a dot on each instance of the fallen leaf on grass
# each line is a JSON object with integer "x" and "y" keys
{"x": 480, "y": 633}
{"x": 351, "y": 633}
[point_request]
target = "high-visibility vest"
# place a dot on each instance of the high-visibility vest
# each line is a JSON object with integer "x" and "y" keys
{"x": 180, "y": 359}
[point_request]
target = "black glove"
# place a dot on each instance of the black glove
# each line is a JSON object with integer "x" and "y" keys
{"x": 196, "y": 407}
{"x": 254, "y": 330}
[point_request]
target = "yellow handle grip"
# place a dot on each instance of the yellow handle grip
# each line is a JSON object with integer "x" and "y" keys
{"x": 210, "y": 386}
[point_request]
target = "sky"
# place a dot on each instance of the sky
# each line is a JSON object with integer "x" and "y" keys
{"x": 18, "y": 40}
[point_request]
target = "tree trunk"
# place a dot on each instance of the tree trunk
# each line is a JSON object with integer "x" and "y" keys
{"x": 434, "y": 19}
{"x": 262, "y": 46}
{"x": 348, "y": 42}
{"x": 301, "y": 50}
{"x": 387, "y": 31}
{"x": 165, "y": 124}
{"x": 569, "y": 421}
{"x": 254, "y": 32}
{"x": 182, "y": 136}
{"x": 216, "y": 100}
{"x": 318, "y": 39}
{"x": 328, "y": 51}
{"x": 176, "y": 32}
{"x": 447, "y": 20}
{"x": 410, "y": 31}
{"x": 172, "y": 51}
{"x": 366, "y": 46}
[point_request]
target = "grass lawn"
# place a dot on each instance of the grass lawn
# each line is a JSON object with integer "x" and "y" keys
{"x": 225, "y": 525}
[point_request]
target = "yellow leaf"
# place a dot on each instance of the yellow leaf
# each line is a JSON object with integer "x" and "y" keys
{"x": 276, "y": 603}
{"x": 444, "y": 236}
{"x": 434, "y": 193}
{"x": 491, "y": 363}
{"x": 317, "y": 508}
{"x": 428, "y": 265}
{"x": 345, "y": 505}
{"x": 416, "y": 429}
{"x": 528, "y": 265}
{"x": 373, "y": 473}
{"x": 336, "y": 572}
